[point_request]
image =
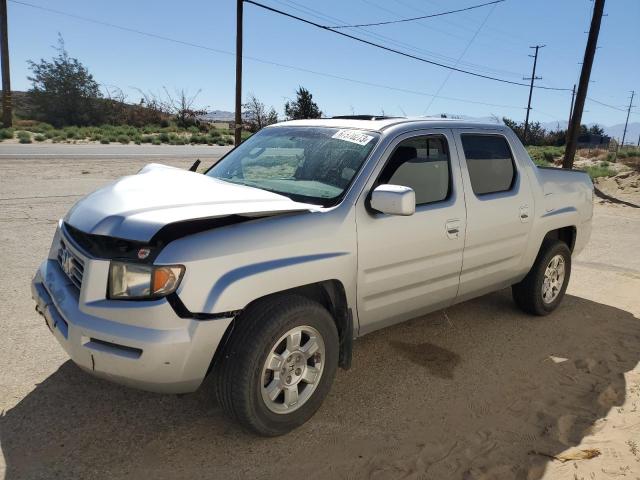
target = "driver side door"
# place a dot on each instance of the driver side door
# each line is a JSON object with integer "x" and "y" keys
{"x": 410, "y": 265}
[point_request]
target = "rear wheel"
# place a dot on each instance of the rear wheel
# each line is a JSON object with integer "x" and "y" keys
{"x": 542, "y": 290}
{"x": 278, "y": 365}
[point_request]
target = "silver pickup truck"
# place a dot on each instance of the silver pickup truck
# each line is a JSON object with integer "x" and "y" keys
{"x": 264, "y": 269}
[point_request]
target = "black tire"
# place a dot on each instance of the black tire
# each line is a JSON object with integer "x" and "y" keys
{"x": 528, "y": 293}
{"x": 238, "y": 373}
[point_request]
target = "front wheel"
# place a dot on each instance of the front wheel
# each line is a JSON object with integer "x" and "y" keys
{"x": 278, "y": 365}
{"x": 542, "y": 290}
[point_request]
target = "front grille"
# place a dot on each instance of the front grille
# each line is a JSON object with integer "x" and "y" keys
{"x": 71, "y": 264}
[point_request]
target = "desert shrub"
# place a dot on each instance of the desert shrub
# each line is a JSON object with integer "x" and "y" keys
{"x": 544, "y": 156}
{"x": 611, "y": 157}
{"x": 104, "y": 141}
{"x": 24, "y": 137}
{"x": 596, "y": 171}
{"x": 604, "y": 163}
{"x": 39, "y": 138}
{"x": 6, "y": 133}
{"x": 156, "y": 141}
{"x": 146, "y": 139}
{"x": 164, "y": 137}
{"x": 124, "y": 139}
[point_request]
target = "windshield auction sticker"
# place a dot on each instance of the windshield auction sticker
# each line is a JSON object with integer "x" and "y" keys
{"x": 352, "y": 136}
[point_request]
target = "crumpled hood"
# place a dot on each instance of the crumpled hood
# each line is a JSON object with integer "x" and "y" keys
{"x": 137, "y": 206}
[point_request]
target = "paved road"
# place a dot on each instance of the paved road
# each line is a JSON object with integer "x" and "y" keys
{"x": 97, "y": 151}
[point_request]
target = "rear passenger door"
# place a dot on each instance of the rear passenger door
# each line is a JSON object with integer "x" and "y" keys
{"x": 499, "y": 203}
{"x": 410, "y": 265}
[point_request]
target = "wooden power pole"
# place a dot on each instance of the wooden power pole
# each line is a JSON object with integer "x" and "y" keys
{"x": 238, "y": 121}
{"x": 7, "y": 117}
{"x": 533, "y": 78}
{"x": 624, "y": 134}
{"x": 583, "y": 85}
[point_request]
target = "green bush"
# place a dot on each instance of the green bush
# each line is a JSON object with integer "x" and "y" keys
{"x": 6, "y": 133}
{"x": 156, "y": 141}
{"x": 544, "y": 156}
{"x": 611, "y": 157}
{"x": 164, "y": 137}
{"x": 104, "y": 141}
{"x": 599, "y": 171}
{"x": 39, "y": 138}
{"x": 124, "y": 139}
{"x": 146, "y": 139}
{"x": 24, "y": 137}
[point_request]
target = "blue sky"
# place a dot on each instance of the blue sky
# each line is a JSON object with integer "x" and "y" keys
{"x": 492, "y": 40}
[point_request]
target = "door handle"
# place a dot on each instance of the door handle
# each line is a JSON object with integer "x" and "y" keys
{"x": 524, "y": 213}
{"x": 452, "y": 228}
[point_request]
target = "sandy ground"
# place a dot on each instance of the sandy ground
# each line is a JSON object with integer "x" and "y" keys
{"x": 480, "y": 391}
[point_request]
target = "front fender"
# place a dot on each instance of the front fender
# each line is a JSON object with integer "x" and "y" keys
{"x": 228, "y": 268}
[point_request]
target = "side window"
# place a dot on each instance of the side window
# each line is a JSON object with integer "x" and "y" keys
{"x": 421, "y": 163}
{"x": 489, "y": 161}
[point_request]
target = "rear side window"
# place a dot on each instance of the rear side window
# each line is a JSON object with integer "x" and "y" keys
{"x": 489, "y": 162}
{"x": 421, "y": 163}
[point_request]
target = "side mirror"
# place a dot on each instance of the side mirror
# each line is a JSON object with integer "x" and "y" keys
{"x": 394, "y": 200}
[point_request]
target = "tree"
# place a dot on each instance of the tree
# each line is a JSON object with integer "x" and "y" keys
{"x": 537, "y": 134}
{"x": 302, "y": 107}
{"x": 596, "y": 129}
{"x": 256, "y": 114}
{"x": 181, "y": 106}
{"x": 63, "y": 92}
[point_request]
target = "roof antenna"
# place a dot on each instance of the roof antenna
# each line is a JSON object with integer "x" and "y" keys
{"x": 194, "y": 167}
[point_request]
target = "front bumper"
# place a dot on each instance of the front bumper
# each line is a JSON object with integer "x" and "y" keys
{"x": 171, "y": 359}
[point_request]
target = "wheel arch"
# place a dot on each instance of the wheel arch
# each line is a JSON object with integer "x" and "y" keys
{"x": 564, "y": 234}
{"x": 331, "y": 295}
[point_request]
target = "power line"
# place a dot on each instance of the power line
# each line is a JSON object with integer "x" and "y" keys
{"x": 327, "y": 18}
{"x": 257, "y": 59}
{"x": 606, "y": 104}
{"x": 464, "y": 52}
{"x": 393, "y": 50}
{"x": 422, "y": 17}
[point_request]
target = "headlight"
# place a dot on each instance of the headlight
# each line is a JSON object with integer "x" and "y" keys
{"x": 134, "y": 281}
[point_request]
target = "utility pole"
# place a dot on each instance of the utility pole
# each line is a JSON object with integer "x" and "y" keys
{"x": 7, "y": 117}
{"x": 573, "y": 97}
{"x": 624, "y": 134}
{"x": 583, "y": 84}
{"x": 533, "y": 78}
{"x": 238, "y": 120}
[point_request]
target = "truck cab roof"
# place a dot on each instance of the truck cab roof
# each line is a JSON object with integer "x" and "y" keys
{"x": 382, "y": 123}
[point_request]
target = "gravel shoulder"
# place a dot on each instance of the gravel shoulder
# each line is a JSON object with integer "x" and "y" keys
{"x": 480, "y": 391}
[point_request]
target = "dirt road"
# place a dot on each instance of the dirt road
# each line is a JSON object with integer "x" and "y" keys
{"x": 480, "y": 391}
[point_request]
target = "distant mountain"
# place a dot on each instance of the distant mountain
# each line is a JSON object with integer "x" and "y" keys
{"x": 221, "y": 116}
{"x": 633, "y": 131}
